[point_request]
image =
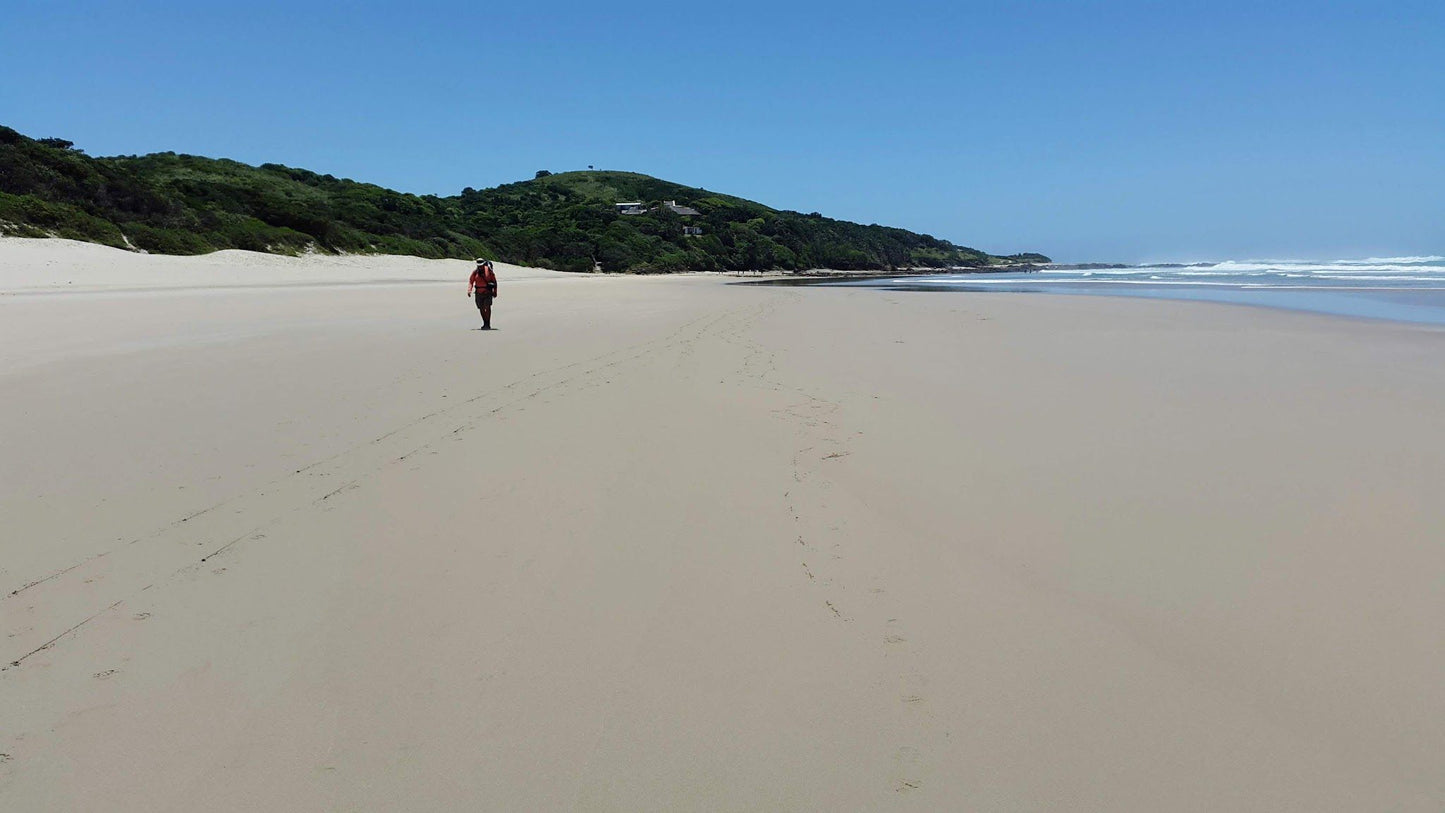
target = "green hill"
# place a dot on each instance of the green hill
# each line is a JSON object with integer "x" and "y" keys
{"x": 184, "y": 204}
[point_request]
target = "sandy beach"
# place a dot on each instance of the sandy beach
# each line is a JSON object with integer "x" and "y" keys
{"x": 289, "y": 534}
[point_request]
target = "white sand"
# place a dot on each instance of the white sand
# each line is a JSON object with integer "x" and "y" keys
{"x": 664, "y": 543}
{"x": 29, "y": 265}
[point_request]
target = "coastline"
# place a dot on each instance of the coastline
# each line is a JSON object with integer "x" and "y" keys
{"x": 670, "y": 542}
{"x": 823, "y": 276}
{"x": 1404, "y": 305}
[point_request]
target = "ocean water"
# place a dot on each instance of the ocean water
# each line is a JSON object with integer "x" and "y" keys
{"x": 1403, "y": 289}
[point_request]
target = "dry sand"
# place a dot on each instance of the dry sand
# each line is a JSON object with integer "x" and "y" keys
{"x": 670, "y": 544}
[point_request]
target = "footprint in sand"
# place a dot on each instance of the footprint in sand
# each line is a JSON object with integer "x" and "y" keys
{"x": 911, "y": 688}
{"x": 906, "y": 763}
{"x": 104, "y": 675}
{"x": 892, "y": 634}
{"x": 141, "y": 616}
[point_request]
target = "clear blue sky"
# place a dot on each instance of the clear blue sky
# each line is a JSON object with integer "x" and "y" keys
{"x": 1086, "y": 130}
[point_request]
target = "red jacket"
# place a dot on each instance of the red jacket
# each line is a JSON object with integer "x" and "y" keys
{"x": 483, "y": 278}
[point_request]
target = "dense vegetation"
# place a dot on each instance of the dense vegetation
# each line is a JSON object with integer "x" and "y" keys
{"x": 184, "y": 204}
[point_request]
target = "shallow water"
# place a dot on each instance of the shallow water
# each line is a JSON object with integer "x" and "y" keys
{"x": 1402, "y": 289}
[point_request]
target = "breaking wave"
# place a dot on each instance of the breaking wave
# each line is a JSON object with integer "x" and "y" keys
{"x": 1396, "y": 270}
{"x": 1402, "y": 289}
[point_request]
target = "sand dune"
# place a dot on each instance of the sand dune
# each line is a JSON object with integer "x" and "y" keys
{"x": 29, "y": 266}
{"x": 668, "y": 543}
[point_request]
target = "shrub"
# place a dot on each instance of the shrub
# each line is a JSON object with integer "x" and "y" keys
{"x": 185, "y": 204}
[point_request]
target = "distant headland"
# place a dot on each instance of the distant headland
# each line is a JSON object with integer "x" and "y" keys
{"x": 581, "y": 221}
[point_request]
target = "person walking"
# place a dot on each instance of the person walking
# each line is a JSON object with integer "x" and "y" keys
{"x": 483, "y": 283}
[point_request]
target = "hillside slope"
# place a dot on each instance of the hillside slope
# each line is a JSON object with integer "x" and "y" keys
{"x": 184, "y": 204}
